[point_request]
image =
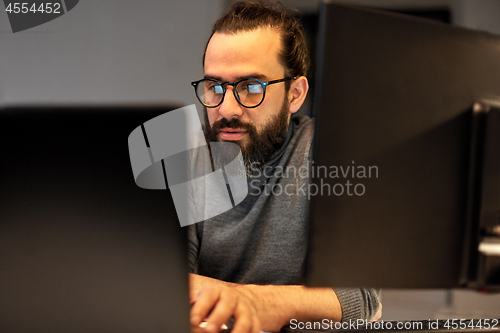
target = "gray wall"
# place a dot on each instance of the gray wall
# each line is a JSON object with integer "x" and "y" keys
{"x": 108, "y": 51}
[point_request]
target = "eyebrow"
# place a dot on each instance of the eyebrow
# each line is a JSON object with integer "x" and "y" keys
{"x": 257, "y": 76}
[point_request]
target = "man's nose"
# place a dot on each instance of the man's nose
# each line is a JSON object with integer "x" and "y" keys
{"x": 230, "y": 106}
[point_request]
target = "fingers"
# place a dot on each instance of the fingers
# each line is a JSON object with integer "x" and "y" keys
{"x": 256, "y": 325}
{"x": 246, "y": 320}
{"x": 193, "y": 295}
{"x": 204, "y": 303}
{"x": 220, "y": 303}
{"x": 223, "y": 310}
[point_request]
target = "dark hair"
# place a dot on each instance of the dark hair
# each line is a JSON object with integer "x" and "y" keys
{"x": 248, "y": 16}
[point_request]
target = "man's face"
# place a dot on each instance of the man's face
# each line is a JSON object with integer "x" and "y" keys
{"x": 231, "y": 57}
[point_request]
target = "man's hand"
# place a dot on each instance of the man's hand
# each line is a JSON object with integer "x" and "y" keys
{"x": 259, "y": 307}
{"x": 218, "y": 303}
{"x": 197, "y": 282}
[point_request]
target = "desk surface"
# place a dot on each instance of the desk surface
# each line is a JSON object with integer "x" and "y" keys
{"x": 195, "y": 329}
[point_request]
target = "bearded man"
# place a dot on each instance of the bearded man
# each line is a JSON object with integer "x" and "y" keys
{"x": 249, "y": 262}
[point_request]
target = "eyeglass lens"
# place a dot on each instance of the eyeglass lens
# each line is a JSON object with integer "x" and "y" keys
{"x": 249, "y": 92}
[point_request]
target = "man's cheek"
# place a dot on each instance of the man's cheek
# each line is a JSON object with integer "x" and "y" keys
{"x": 212, "y": 116}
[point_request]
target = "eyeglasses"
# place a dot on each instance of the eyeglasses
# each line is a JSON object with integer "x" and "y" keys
{"x": 249, "y": 93}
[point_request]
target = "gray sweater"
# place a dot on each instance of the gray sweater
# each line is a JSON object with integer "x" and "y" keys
{"x": 264, "y": 239}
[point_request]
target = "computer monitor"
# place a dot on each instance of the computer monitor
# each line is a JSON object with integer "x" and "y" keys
{"x": 82, "y": 247}
{"x": 396, "y": 165}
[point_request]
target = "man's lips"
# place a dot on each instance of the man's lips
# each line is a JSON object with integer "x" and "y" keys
{"x": 232, "y": 133}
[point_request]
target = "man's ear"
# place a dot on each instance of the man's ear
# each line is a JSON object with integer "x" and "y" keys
{"x": 297, "y": 93}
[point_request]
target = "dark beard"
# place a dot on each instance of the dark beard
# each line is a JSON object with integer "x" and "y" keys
{"x": 261, "y": 146}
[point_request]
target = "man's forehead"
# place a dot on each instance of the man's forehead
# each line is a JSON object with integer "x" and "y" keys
{"x": 230, "y": 56}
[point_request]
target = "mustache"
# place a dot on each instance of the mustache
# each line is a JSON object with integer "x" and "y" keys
{"x": 231, "y": 123}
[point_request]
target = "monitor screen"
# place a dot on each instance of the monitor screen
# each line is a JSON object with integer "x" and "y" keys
{"x": 394, "y": 203}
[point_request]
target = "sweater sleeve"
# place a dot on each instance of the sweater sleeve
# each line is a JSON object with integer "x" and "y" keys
{"x": 358, "y": 303}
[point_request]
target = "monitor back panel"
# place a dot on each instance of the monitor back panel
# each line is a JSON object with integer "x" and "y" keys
{"x": 394, "y": 105}
{"x": 82, "y": 248}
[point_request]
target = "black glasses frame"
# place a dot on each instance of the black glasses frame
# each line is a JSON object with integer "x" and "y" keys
{"x": 264, "y": 84}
